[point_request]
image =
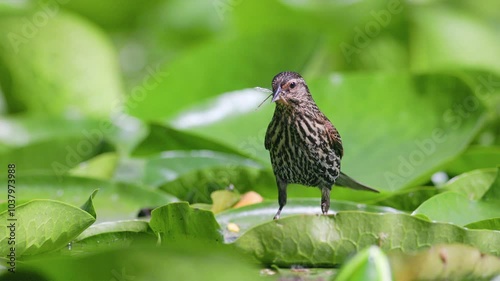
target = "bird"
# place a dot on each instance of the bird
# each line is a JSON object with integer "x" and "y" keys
{"x": 304, "y": 146}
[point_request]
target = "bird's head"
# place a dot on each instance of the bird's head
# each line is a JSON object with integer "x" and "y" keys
{"x": 290, "y": 89}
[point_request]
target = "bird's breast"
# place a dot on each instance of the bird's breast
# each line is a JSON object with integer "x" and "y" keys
{"x": 300, "y": 152}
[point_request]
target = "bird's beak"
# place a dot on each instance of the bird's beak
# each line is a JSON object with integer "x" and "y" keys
{"x": 276, "y": 94}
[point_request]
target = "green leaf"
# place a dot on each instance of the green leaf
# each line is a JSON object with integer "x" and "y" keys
{"x": 473, "y": 196}
{"x": 55, "y": 156}
{"x": 197, "y": 186}
{"x": 170, "y": 165}
{"x": 473, "y": 184}
{"x": 162, "y": 138}
{"x": 408, "y": 199}
{"x": 111, "y": 14}
{"x": 475, "y": 157}
{"x": 436, "y": 46}
{"x": 329, "y": 240}
{"x": 360, "y": 37}
{"x": 55, "y": 145}
{"x": 111, "y": 235}
{"x": 116, "y": 201}
{"x": 102, "y": 167}
{"x": 223, "y": 200}
{"x": 123, "y": 131}
{"x": 457, "y": 208}
{"x": 36, "y": 80}
{"x": 176, "y": 261}
{"x": 369, "y": 264}
{"x": 21, "y": 130}
{"x": 179, "y": 221}
{"x": 445, "y": 262}
{"x": 249, "y": 216}
{"x": 89, "y": 205}
{"x": 493, "y": 224}
{"x": 41, "y": 226}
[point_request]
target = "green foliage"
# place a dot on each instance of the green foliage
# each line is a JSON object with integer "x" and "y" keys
{"x": 472, "y": 197}
{"x": 173, "y": 261}
{"x": 115, "y": 200}
{"x": 154, "y": 103}
{"x": 111, "y": 235}
{"x": 179, "y": 221}
{"x": 43, "y": 225}
{"x": 369, "y": 264}
{"x": 59, "y": 88}
{"x": 250, "y": 216}
{"x": 329, "y": 240}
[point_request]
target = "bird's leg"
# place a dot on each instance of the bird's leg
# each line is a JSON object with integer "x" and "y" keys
{"x": 281, "y": 196}
{"x": 325, "y": 199}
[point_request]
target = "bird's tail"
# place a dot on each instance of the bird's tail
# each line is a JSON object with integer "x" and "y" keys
{"x": 346, "y": 181}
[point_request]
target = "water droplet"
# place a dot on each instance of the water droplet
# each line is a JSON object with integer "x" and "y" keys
{"x": 70, "y": 245}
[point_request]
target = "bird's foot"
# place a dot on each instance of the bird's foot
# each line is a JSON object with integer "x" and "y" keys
{"x": 277, "y": 216}
{"x": 324, "y": 208}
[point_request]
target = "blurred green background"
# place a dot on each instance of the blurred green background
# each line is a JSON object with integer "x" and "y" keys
{"x": 156, "y": 101}
{"x": 412, "y": 87}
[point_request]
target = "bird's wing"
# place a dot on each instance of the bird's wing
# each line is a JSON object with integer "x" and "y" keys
{"x": 334, "y": 138}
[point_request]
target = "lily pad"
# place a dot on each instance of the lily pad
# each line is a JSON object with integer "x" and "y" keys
{"x": 197, "y": 185}
{"x": 179, "y": 221}
{"x": 493, "y": 224}
{"x": 111, "y": 235}
{"x": 162, "y": 138}
{"x": 473, "y": 196}
{"x": 170, "y": 165}
{"x": 329, "y": 240}
{"x": 168, "y": 262}
{"x": 41, "y": 226}
{"x": 249, "y": 216}
{"x": 475, "y": 157}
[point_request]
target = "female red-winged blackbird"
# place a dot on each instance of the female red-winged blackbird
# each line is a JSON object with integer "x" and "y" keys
{"x": 305, "y": 147}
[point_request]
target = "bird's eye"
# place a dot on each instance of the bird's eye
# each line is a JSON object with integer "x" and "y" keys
{"x": 292, "y": 85}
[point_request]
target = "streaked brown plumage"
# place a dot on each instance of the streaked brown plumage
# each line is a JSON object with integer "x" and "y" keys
{"x": 304, "y": 146}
